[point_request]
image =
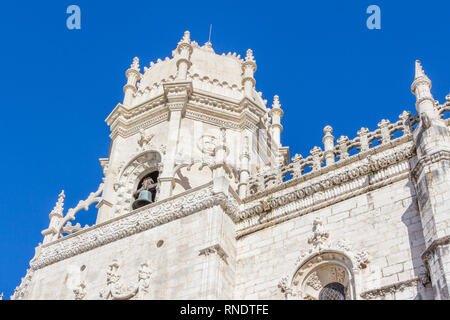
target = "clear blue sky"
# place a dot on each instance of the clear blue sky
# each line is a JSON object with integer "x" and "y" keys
{"x": 59, "y": 85}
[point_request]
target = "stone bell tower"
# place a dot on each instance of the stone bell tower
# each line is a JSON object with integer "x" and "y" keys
{"x": 186, "y": 120}
{"x": 431, "y": 177}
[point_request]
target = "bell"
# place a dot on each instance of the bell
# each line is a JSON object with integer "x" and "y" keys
{"x": 145, "y": 198}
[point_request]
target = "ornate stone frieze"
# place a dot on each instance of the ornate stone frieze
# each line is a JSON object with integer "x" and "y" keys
{"x": 139, "y": 220}
{"x": 323, "y": 190}
{"x": 127, "y": 130}
{"x": 380, "y": 293}
{"x": 124, "y": 115}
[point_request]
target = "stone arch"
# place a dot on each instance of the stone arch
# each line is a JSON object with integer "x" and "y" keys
{"x": 131, "y": 174}
{"x": 318, "y": 270}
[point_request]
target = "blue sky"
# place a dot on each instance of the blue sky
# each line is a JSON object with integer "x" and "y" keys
{"x": 59, "y": 85}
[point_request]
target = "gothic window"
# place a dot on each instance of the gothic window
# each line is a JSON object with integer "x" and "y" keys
{"x": 332, "y": 291}
{"x": 146, "y": 190}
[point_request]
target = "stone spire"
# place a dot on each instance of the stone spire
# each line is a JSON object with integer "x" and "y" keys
{"x": 133, "y": 76}
{"x": 421, "y": 88}
{"x": 184, "y": 51}
{"x": 55, "y": 217}
{"x": 276, "y": 128}
{"x": 248, "y": 70}
{"x": 328, "y": 143}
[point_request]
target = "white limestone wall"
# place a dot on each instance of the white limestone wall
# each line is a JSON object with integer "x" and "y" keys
{"x": 189, "y": 148}
{"x": 384, "y": 222}
{"x": 178, "y": 271}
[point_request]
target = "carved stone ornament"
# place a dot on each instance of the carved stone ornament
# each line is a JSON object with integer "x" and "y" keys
{"x": 144, "y": 139}
{"x": 80, "y": 291}
{"x": 21, "y": 291}
{"x": 381, "y": 293}
{"x": 115, "y": 289}
{"x": 325, "y": 262}
{"x": 317, "y": 191}
{"x": 139, "y": 220}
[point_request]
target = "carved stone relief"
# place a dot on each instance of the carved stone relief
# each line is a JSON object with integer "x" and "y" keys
{"x": 324, "y": 263}
{"x": 116, "y": 290}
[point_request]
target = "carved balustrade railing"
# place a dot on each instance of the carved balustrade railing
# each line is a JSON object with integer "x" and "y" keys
{"x": 343, "y": 149}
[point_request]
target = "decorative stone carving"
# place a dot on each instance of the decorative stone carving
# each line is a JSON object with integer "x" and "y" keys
{"x": 137, "y": 221}
{"x": 207, "y": 144}
{"x": 380, "y": 293}
{"x": 338, "y": 184}
{"x": 337, "y": 274}
{"x": 143, "y": 139}
{"x": 314, "y": 281}
{"x": 80, "y": 291}
{"x": 21, "y": 291}
{"x": 325, "y": 262}
{"x": 115, "y": 290}
{"x": 320, "y": 236}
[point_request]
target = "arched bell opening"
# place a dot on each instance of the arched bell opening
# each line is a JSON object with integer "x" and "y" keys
{"x": 146, "y": 190}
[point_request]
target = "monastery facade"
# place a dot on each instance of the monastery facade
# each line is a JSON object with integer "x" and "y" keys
{"x": 200, "y": 200}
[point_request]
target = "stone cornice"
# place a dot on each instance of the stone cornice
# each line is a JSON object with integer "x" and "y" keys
{"x": 393, "y": 288}
{"x": 215, "y": 249}
{"x": 212, "y": 109}
{"x": 134, "y": 222}
{"x": 428, "y": 160}
{"x": 125, "y": 114}
{"x": 365, "y": 175}
{"x": 149, "y": 120}
{"x": 435, "y": 244}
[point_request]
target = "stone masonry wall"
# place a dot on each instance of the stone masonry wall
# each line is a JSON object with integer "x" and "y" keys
{"x": 384, "y": 222}
{"x": 178, "y": 269}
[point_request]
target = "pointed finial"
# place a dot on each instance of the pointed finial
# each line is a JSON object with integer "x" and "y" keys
{"x": 135, "y": 64}
{"x": 186, "y": 37}
{"x": 419, "y": 70}
{"x": 420, "y": 77}
{"x": 59, "y": 206}
{"x": 249, "y": 56}
{"x": 328, "y": 130}
{"x": 276, "y": 102}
